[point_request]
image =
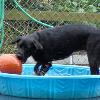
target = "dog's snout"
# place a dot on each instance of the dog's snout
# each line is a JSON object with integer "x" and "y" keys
{"x": 15, "y": 50}
{"x": 19, "y": 56}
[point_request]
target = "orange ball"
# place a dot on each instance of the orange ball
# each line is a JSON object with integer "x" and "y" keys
{"x": 10, "y": 64}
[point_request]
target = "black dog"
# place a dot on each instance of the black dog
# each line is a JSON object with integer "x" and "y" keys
{"x": 58, "y": 43}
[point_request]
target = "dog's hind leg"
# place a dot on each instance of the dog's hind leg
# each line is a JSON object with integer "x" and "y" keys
{"x": 93, "y": 52}
{"x": 94, "y": 63}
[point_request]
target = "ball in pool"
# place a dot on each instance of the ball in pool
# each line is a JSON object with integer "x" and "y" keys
{"x": 10, "y": 64}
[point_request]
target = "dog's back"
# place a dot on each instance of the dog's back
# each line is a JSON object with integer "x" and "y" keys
{"x": 60, "y": 42}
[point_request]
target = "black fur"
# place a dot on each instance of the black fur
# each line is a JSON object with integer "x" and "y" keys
{"x": 60, "y": 42}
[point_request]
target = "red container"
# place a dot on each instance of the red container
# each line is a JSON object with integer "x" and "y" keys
{"x": 10, "y": 64}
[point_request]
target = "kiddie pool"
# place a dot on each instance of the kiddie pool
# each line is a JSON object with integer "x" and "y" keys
{"x": 61, "y": 82}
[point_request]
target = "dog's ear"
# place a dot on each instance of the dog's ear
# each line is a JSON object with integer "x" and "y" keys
{"x": 16, "y": 40}
{"x": 37, "y": 45}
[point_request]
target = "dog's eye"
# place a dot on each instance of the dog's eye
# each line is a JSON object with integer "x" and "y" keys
{"x": 20, "y": 46}
{"x": 23, "y": 47}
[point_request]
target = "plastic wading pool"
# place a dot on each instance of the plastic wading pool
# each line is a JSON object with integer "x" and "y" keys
{"x": 61, "y": 82}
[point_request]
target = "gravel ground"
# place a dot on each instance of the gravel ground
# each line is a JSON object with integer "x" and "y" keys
{"x": 75, "y": 59}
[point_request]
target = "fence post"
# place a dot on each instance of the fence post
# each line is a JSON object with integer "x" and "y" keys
{"x": 1, "y": 22}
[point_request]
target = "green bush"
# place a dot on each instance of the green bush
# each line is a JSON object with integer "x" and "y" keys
{"x": 59, "y": 5}
{"x": 76, "y": 5}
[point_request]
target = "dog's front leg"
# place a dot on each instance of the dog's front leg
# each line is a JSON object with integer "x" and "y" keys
{"x": 45, "y": 68}
{"x": 36, "y": 68}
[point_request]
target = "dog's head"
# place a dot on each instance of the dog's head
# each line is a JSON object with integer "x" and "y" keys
{"x": 26, "y": 47}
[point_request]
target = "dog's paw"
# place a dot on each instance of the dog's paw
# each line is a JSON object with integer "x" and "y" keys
{"x": 37, "y": 72}
{"x": 42, "y": 73}
{"x": 44, "y": 69}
